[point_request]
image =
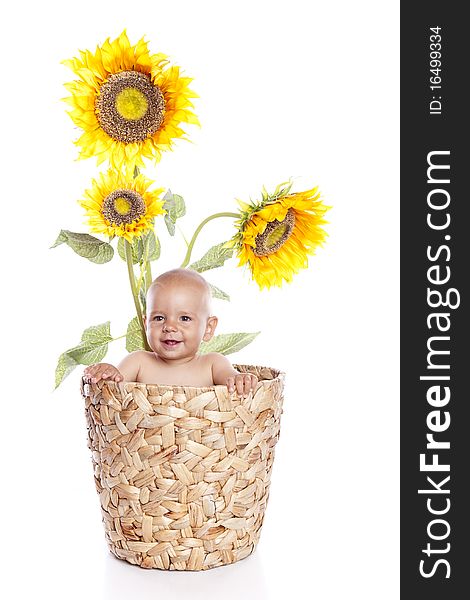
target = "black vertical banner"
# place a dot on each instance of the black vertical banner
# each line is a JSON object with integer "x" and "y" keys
{"x": 435, "y": 273}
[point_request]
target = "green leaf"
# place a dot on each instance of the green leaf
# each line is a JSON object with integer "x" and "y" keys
{"x": 85, "y": 354}
{"x": 218, "y": 293}
{"x": 97, "y": 334}
{"x": 227, "y": 343}
{"x": 175, "y": 208}
{"x": 65, "y": 366}
{"x": 152, "y": 246}
{"x": 134, "y": 337}
{"x": 137, "y": 249}
{"x": 92, "y": 348}
{"x": 86, "y": 245}
{"x": 147, "y": 242}
{"x": 170, "y": 225}
{"x": 214, "y": 257}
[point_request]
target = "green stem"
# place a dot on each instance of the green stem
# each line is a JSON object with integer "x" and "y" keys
{"x": 148, "y": 274}
{"x": 142, "y": 271}
{"x": 145, "y": 270}
{"x": 196, "y": 233}
{"x": 130, "y": 270}
{"x": 147, "y": 267}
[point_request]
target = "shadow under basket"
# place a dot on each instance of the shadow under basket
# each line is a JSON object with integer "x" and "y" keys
{"x": 183, "y": 473}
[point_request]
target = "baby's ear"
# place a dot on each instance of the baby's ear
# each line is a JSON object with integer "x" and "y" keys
{"x": 210, "y": 328}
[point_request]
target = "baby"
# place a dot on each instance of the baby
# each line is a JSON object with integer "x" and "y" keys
{"x": 178, "y": 318}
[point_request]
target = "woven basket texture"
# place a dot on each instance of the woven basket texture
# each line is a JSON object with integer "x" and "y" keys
{"x": 183, "y": 473}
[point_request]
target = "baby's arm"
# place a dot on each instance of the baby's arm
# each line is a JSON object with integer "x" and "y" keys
{"x": 224, "y": 374}
{"x": 127, "y": 370}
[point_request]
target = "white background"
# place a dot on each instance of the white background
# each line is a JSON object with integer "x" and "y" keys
{"x": 301, "y": 89}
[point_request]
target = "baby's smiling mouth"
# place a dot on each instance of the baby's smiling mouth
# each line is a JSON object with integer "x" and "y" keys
{"x": 171, "y": 343}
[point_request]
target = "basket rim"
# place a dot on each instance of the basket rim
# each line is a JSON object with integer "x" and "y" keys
{"x": 279, "y": 377}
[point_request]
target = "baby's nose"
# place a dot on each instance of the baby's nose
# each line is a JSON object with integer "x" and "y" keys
{"x": 169, "y": 326}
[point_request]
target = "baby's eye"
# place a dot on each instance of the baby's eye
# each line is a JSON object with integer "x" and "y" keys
{"x": 185, "y": 318}
{"x": 158, "y": 318}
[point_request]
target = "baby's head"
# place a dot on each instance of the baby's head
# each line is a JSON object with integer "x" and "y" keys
{"x": 178, "y": 315}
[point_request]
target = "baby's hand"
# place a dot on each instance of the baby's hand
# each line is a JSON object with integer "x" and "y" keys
{"x": 244, "y": 383}
{"x": 94, "y": 373}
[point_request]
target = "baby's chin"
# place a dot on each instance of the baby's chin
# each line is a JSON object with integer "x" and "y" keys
{"x": 176, "y": 351}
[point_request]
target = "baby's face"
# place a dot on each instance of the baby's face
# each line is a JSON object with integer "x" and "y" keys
{"x": 178, "y": 319}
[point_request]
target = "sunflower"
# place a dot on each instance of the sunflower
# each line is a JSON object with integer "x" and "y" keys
{"x": 128, "y": 102}
{"x": 276, "y": 234}
{"x": 120, "y": 205}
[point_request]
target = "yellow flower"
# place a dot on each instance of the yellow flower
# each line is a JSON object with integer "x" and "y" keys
{"x": 129, "y": 103}
{"x": 277, "y": 234}
{"x": 119, "y": 205}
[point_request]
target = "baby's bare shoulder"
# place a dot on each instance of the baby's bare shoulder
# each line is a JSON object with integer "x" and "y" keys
{"x": 143, "y": 355}
{"x": 136, "y": 357}
{"x": 131, "y": 364}
{"x": 214, "y": 358}
{"x": 220, "y": 366}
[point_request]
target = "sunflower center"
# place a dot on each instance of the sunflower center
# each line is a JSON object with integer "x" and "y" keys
{"x": 131, "y": 104}
{"x": 129, "y": 107}
{"x": 122, "y": 207}
{"x": 275, "y": 235}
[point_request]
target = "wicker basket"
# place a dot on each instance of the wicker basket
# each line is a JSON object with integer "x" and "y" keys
{"x": 183, "y": 473}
